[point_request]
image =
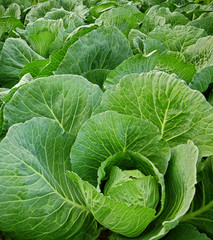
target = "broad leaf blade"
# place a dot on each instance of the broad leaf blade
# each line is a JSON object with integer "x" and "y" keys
{"x": 177, "y": 38}
{"x": 107, "y": 133}
{"x": 179, "y": 112}
{"x": 54, "y": 97}
{"x": 37, "y": 199}
{"x": 14, "y": 56}
{"x": 104, "y": 48}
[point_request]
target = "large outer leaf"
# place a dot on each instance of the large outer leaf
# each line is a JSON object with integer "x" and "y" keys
{"x": 201, "y": 212}
{"x": 168, "y": 62}
{"x": 185, "y": 231}
{"x": 124, "y": 18}
{"x": 68, "y": 99}
{"x": 128, "y": 220}
{"x": 177, "y": 38}
{"x": 37, "y": 200}
{"x": 178, "y": 111}
{"x": 158, "y": 15}
{"x": 180, "y": 189}
{"x": 104, "y": 48}
{"x": 14, "y": 56}
{"x": 200, "y": 53}
{"x": 107, "y": 133}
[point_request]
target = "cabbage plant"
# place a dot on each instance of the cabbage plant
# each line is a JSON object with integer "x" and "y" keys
{"x": 72, "y": 166}
{"x": 106, "y": 120}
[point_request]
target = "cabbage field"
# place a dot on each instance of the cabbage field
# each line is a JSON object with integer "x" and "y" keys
{"x": 106, "y": 120}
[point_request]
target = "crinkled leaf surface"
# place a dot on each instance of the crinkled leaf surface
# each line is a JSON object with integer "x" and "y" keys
{"x": 14, "y": 56}
{"x": 124, "y": 18}
{"x": 107, "y": 133}
{"x": 158, "y": 15}
{"x": 201, "y": 53}
{"x": 104, "y": 48}
{"x": 37, "y": 199}
{"x": 178, "y": 111}
{"x": 177, "y": 38}
{"x": 68, "y": 99}
{"x": 168, "y": 62}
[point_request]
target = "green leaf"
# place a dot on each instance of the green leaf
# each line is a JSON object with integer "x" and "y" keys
{"x": 210, "y": 99}
{"x": 202, "y": 79}
{"x": 201, "y": 53}
{"x": 185, "y": 231}
{"x": 36, "y": 197}
{"x": 142, "y": 191}
{"x": 180, "y": 190}
{"x": 39, "y": 10}
{"x": 8, "y": 25}
{"x": 203, "y": 22}
{"x": 168, "y": 62}
{"x": 177, "y": 38}
{"x": 157, "y": 16}
{"x": 179, "y": 112}
{"x": 201, "y": 211}
{"x": 14, "y": 56}
{"x": 127, "y": 220}
{"x": 13, "y": 11}
{"x": 124, "y": 18}
{"x": 104, "y": 48}
{"x": 53, "y": 97}
{"x": 34, "y": 68}
{"x": 96, "y": 11}
{"x": 70, "y": 20}
{"x": 134, "y": 166}
{"x": 45, "y": 35}
{"x": 43, "y": 68}
{"x": 136, "y": 64}
{"x": 107, "y": 133}
{"x": 41, "y": 43}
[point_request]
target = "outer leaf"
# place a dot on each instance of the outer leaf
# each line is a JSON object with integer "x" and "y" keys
{"x": 177, "y": 38}
{"x": 158, "y": 15}
{"x": 37, "y": 199}
{"x": 14, "y": 56}
{"x": 127, "y": 220}
{"x": 168, "y": 62}
{"x": 107, "y": 133}
{"x": 124, "y": 18}
{"x": 104, "y": 48}
{"x": 185, "y": 231}
{"x": 201, "y": 212}
{"x": 201, "y": 53}
{"x": 54, "y": 97}
{"x": 136, "y": 64}
{"x": 204, "y": 22}
{"x": 46, "y": 67}
{"x": 179, "y": 112}
{"x": 180, "y": 189}
{"x": 39, "y": 10}
{"x": 202, "y": 79}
